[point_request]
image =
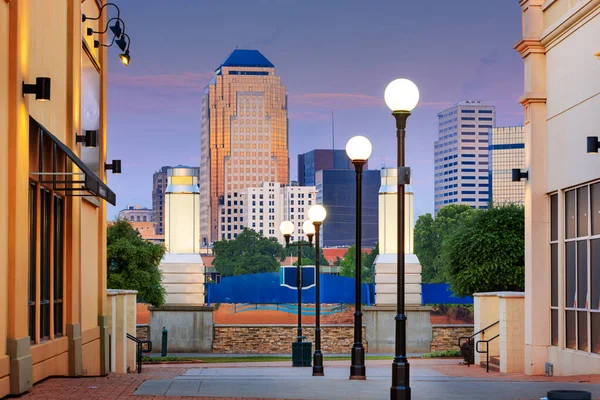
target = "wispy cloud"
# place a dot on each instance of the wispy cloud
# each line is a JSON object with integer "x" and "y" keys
{"x": 183, "y": 82}
{"x": 308, "y": 116}
{"x": 337, "y": 101}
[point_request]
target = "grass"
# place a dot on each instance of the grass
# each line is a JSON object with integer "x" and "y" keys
{"x": 154, "y": 360}
{"x": 440, "y": 354}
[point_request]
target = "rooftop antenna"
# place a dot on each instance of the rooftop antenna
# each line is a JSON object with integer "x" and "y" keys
{"x": 332, "y": 132}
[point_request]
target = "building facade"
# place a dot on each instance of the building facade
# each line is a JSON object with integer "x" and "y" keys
{"x": 243, "y": 140}
{"x": 562, "y": 192}
{"x": 315, "y": 160}
{"x": 136, "y": 214}
{"x": 336, "y": 192}
{"x": 461, "y": 155}
{"x": 266, "y": 207}
{"x": 506, "y": 151}
{"x": 159, "y": 186}
{"x": 53, "y": 302}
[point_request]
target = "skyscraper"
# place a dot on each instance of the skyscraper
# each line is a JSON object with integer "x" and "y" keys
{"x": 315, "y": 160}
{"x": 507, "y": 151}
{"x": 461, "y": 155}
{"x": 243, "y": 140}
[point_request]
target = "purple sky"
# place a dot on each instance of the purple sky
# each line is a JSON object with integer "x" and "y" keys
{"x": 331, "y": 55}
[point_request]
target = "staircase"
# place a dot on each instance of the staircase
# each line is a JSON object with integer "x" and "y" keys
{"x": 494, "y": 364}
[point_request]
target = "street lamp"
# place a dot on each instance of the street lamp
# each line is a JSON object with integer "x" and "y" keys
{"x": 299, "y": 358}
{"x": 401, "y": 96}
{"x": 316, "y": 215}
{"x": 358, "y": 149}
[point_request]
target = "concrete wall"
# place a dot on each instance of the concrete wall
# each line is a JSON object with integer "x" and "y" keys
{"x": 190, "y": 328}
{"x": 277, "y": 339}
{"x": 486, "y": 312}
{"x": 121, "y": 321}
{"x": 381, "y": 332}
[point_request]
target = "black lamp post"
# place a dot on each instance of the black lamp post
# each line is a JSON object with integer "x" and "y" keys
{"x": 287, "y": 228}
{"x": 401, "y": 96}
{"x": 317, "y": 214}
{"x": 358, "y": 149}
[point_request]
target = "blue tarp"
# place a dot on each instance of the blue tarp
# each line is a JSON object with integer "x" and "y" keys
{"x": 440, "y": 293}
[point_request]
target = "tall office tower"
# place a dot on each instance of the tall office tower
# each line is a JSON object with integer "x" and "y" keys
{"x": 243, "y": 141}
{"x": 336, "y": 192}
{"x": 315, "y": 160}
{"x": 507, "y": 151}
{"x": 267, "y": 206}
{"x": 159, "y": 186}
{"x": 461, "y": 155}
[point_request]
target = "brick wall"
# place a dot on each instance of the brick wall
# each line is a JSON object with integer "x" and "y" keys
{"x": 445, "y": 337}
{"x": 277, "y": 339}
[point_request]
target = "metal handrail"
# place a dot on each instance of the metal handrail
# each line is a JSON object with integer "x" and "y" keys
{"x": 139, "y": 350}
{"x": 487, "y": 351}
{"x": 473, "y": 335}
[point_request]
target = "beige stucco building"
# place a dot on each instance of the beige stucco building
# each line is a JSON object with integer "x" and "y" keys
{"x": 562, "y": 194}
{"x": 54, "y": 316}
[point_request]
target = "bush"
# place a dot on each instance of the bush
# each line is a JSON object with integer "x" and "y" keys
{"x": 467, "y": 351}
{"x": 443, "y": 353}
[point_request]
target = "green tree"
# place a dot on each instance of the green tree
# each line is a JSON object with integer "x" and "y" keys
{"x": 307, "y": 253}
{"x": 429, "y": 235}
{"x": 348, "y": 264}
{"x": 305, "y": 261}
{"x": 486, "y": 252}
{"x": 249, "y": 253}
{"x": 132, "y": 263}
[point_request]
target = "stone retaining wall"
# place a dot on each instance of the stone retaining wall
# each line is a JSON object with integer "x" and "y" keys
{"x": 445, "y": 337}
{"x": 277, "y": 339}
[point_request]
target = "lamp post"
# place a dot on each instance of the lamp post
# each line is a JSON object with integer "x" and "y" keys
{"x": 316, "y": 215}
{"x": 287, "y": 228}
{"x": 358, "y": 149}
{"x": 401, "y": 96}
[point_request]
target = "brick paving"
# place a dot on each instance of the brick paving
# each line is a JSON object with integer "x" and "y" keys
{"x": 122, "y": 386}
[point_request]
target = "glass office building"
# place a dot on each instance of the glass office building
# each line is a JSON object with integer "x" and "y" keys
{"x": 315, "y": 160}
{"x": 507, "y": 151}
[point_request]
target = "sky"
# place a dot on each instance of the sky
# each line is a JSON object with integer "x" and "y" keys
{"x": 332, "y": 55}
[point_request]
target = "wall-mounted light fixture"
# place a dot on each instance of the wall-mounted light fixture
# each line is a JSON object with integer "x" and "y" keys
{"x": 115, "y": 166}
{"x": 84, "y": 17}
{"x": 90, "y": 138}
{"x": 41, "y": 88}
{"x": 517, "y": 175}
{"x": 124, "y": 46}
{"x": 593, "y": 144}
{"x": 116, "y": 28}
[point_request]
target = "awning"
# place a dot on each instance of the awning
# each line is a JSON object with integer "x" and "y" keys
{"x": 84, "y": 183}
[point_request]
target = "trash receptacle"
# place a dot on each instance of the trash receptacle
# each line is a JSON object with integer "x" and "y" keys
{"x": 569, "y": 395}
{"x": 301, "y": 354}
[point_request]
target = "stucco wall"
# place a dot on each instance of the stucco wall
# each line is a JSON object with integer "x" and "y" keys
{"x": 277, "y": 339}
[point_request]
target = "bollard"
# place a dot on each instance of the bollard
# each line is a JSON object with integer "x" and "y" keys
{"x": 163, "y": 350}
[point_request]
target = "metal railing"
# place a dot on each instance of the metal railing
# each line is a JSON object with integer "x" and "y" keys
{"x": 470, "y": 339}
{"x": 487, "y": 351}
{"x": 139, "y": 350}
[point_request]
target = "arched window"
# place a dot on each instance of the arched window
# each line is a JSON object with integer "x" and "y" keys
{"x": 132, "y": 218}
{"x": 145, "y": 218}
{"x": 138, "y": 218}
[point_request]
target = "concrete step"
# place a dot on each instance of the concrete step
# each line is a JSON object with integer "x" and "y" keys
{"x": 494, "y": 364}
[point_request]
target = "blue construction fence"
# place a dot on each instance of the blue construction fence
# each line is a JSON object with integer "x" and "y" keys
{"x": 266, "y": 288}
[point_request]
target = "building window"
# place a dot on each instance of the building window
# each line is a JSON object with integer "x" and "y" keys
{"x": 581, "y": 269}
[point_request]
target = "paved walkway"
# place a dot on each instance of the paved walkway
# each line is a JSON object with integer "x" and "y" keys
{"x": 270, "y": 382}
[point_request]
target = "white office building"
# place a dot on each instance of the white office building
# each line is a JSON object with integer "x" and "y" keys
{"x": 267, "y": 206}
{"x": 461, "y": 155}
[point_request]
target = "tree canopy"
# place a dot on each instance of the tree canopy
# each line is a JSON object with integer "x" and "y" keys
{"x": 132, "y": 263}
{"x": 348, "y": 264}
{"x": 429, "y": 235}
{"x": 485, "y": 253}
{"x": 308, "y": 253}
{"x": 249, "y": 253}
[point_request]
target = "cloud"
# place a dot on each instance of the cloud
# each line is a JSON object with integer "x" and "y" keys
{"x": 308, "y": 116}
{"x": 189, "y": 82}
{"x": 338, "y": 101}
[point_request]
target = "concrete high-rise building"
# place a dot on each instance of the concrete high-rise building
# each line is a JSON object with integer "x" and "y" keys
{"x": 315, "y": 160}
{"x": 507, "y": 151}
{"x": 336, "y": 190}
{"x": 159, "y": 186}
{"x": 267, "y": 206}
{"x": 461, "y": 155}
{"x": 244, "y": 139}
